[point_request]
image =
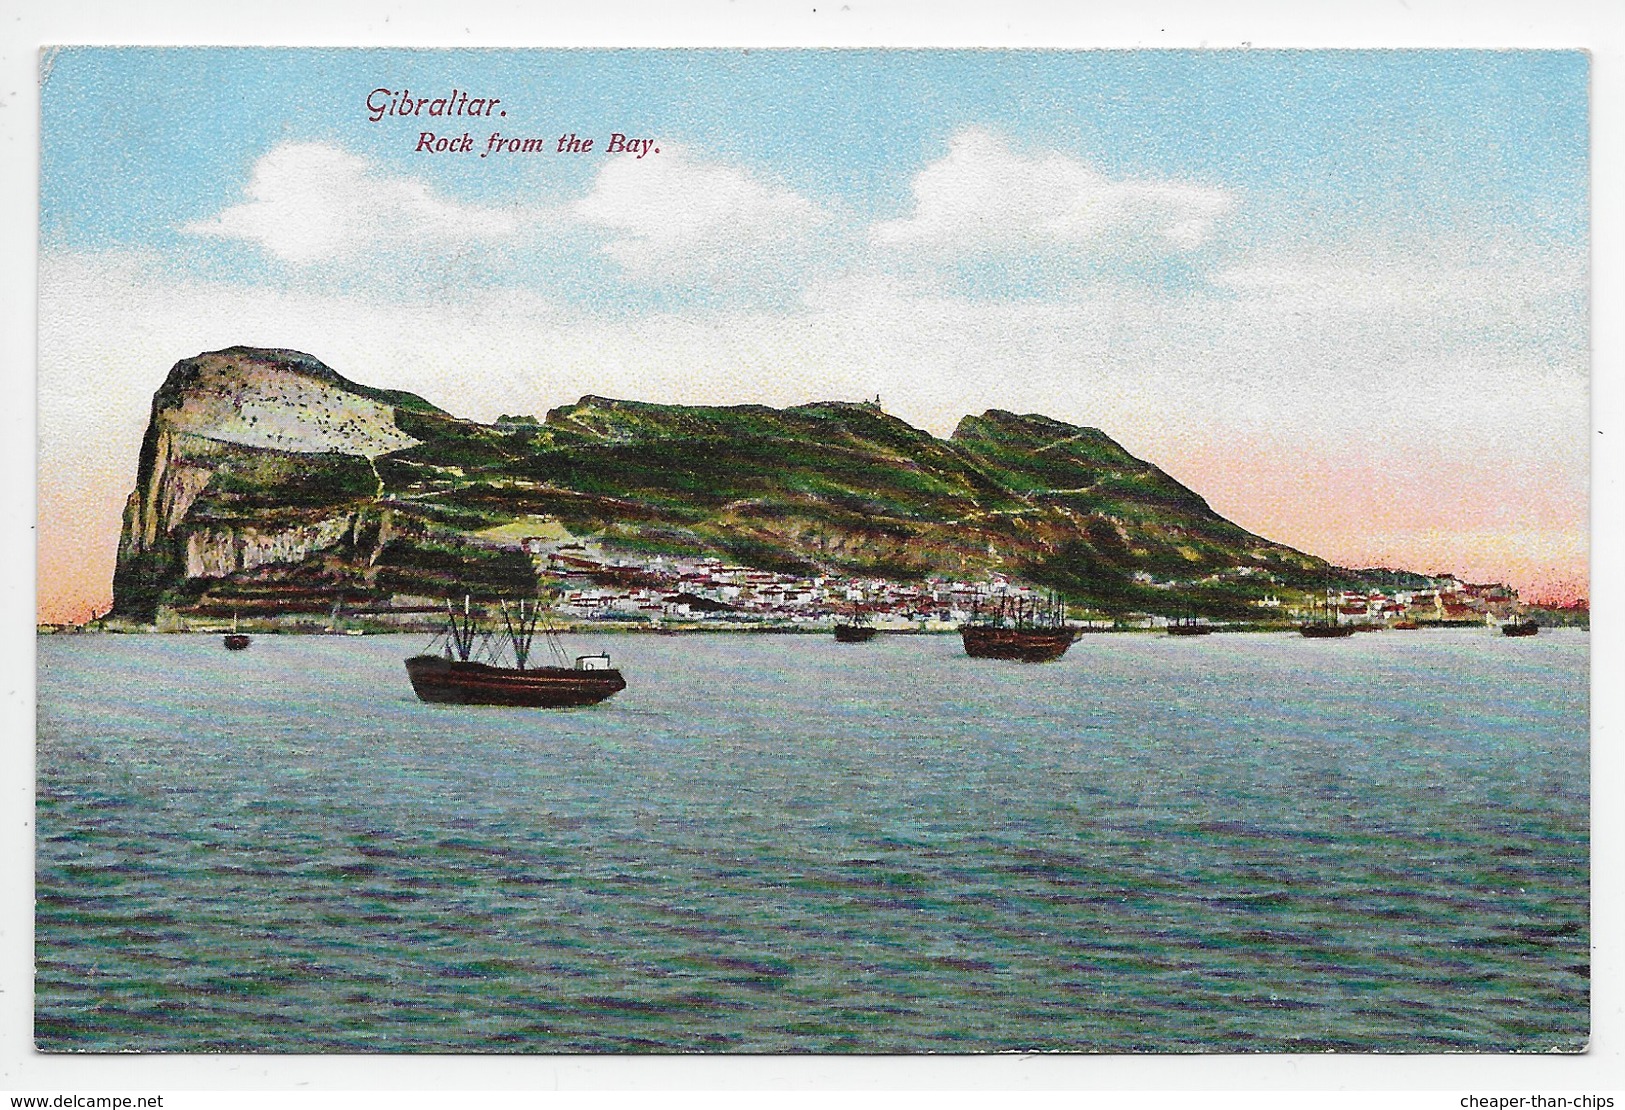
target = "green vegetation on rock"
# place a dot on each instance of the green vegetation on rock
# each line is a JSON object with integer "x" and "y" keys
{"x": 222, "y": 508}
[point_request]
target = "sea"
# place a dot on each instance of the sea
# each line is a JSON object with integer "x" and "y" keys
{"x": 781, "y": 844}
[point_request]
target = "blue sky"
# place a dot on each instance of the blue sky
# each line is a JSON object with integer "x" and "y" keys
{"x": 138, "y": 142}
{"x": 1341, "y": 294}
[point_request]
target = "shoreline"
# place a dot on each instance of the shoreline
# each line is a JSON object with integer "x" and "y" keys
{"x": 714, "y": 630}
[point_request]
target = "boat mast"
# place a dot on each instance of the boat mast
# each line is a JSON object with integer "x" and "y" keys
{"x": 460, "y": 633}
{"x": 521, "y": 626}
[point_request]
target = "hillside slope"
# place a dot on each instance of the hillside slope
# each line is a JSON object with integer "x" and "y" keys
{"x": 269, "y": 483}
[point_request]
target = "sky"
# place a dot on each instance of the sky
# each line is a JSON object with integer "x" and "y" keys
{"x": 1341, "y": 295}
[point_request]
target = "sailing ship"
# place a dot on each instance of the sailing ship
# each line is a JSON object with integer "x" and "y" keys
{"x": 1324, "y": 626}
{"x": 854, "y": 628}
{"x": 234, "y": 640}
{"x": 1523, "y": 627}
{"x": 457, "y": 676}
{"x": 1027, "y": 630}
{"x": 1188, "y": 626}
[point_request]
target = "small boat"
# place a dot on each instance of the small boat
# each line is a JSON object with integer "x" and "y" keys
{"x": 1520, "y": 628}
{"x": 1405, "y": 625}
{"x": 1325, "y": 626}
{"x": 1325, "y": 631}
{"x": 466, "y": 682}
{"x": 1188, "y": 626}
{"x": 1017, "y": 629}
{"x": 855, "y": 628}
{"x": 455, "y": 677}
{"x": 1024, "y": 645}
{"x": 234, "y": 640}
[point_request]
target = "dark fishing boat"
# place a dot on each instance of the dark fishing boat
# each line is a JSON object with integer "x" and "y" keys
{"x": 234, "y": 640}
{"x": 1325, "y": 626}
{"x": 1187, "y": 626}
{"x": 854, "y": 628}
{"x": 1520, "y": 628}
{"x": 1019, "y": 629}
{"x": 455, "y": 676}
{"x": 1325, "y": 631}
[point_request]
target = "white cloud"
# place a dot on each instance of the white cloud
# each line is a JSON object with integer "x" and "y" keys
{"x": 1455, "y": 293}
{"x": 674, "y": 216}
{"x": 983, "y": 196}
{"x": 667, "y": 216}
{"x": 314, "y": 202}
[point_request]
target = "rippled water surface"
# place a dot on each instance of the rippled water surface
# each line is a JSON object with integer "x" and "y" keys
{"x": 779, "y": 843}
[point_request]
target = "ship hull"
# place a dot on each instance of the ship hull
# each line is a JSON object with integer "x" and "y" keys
{"x": 449, "y": 682}
{"x": 1023, "y": 645}
{"x": 853, "y": 633}
{"x": 1520, "y": 628}
{"x": 1326, "y": 631}
{"x": 236, "y": 641}
{"x": 1189, "y": 630}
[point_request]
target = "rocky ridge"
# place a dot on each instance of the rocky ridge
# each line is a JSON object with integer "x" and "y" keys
{"x": 268, "y": 483}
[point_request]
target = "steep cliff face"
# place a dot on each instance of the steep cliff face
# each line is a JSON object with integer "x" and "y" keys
{"x": 250, "y": 457}
{"x": 270, "y": 483}
{"x": 212, "y": 553}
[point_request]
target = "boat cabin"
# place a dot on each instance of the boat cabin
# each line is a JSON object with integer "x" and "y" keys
{"x": 598, "y": 662}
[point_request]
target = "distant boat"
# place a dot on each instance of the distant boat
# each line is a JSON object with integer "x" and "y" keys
{"x": 855, "y": 629}
{"x": 1325, "y": 631}
{"x": 454, "y": 676}
{"x": 1520, "y": 628}
{"x": 1019, "y": 629}
{"x": 1325, "y": 627}
{"x": 1405, "y": 625}
{"x": 234, "y": 640}
{"x": 1187, "y": 626}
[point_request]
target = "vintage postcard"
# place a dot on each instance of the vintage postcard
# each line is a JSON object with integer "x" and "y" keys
{"x": 813, "y": 551}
